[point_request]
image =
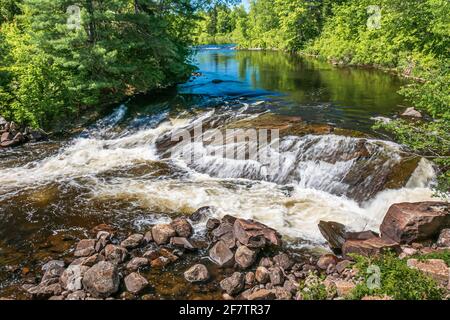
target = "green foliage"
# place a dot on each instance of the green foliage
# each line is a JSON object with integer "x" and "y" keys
{"x": 313, "y": 288}
{"x": 50, "y": 71}
{"x": 397, "y": 280}
{"x": 442, "y": 255}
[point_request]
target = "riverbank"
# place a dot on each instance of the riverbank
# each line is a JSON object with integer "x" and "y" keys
{"x": 246, "y": 260}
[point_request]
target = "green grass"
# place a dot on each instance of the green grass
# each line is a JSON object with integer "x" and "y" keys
{"x": 397, "y": 280}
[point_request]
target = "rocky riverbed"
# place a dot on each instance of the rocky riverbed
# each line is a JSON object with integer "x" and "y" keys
{"x": 240, "y": 259}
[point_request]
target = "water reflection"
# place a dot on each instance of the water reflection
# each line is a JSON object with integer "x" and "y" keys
{"x": 313, "y": 89}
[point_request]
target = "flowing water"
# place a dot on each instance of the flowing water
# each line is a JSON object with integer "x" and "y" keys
{"x": 126, "y": 171}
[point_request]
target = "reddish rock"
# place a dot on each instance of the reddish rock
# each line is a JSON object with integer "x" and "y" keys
{"x": 182, "y": 243}
{"x": 102, "y": 280}
{"x": 115, "y": 254}
{"x": 225, "y": 233}
{"x": 334, "y": 233}
{"x": 435, "y": 268}
{"x": 221, "y": 254}
{"x": 137, "y": 263}
{"x": 6, "y": 136}
{"x": 162, "y": 233}
{"x": 103, "y": 238}
{"x": 245, "y": 257}
{"x": 133, "y": 241}
{"x": 254, "y": 234}
{"x": 234, "y": 284}
{"x": 182, "y": 227}
{"x": 197, "y": 273}
{"x": 444, "y": 238}
{"x": 135, "y": 283}
{"x": 249, "y": 278}
{"x": 283, "y": 261}
{"x": 415, "y": 222}
{"x": 276, "y": 276}
{"x": 262, "y": 275}
{"x": 160, "y": 262}
{"x": 369, "y": 247}
{"x": 85, "y": 248}
{"x": 212, "y": 224}
{"x": 344, "y": 288}
{"x": 326, "y": 260}
{"x": 262, "y": 294}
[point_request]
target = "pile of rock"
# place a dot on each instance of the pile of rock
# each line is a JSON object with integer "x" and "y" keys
{"x": 408, "y": 229}
{"x": 261, "y": 268}
{"x": 406, "y": 225}
{"x": 103, "y": 263}
{"x": 12, "y": 135}
{"x": 254, "y": 264}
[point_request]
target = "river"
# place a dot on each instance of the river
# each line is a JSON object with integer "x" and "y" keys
{"x": 125, "y": 171}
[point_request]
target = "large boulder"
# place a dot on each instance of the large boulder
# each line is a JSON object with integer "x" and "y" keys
{"x": 254, "y": 234}
{"x": 415, "y": 222}
{"x": 102, "y": 280}
{"x": 370, "y": 247}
